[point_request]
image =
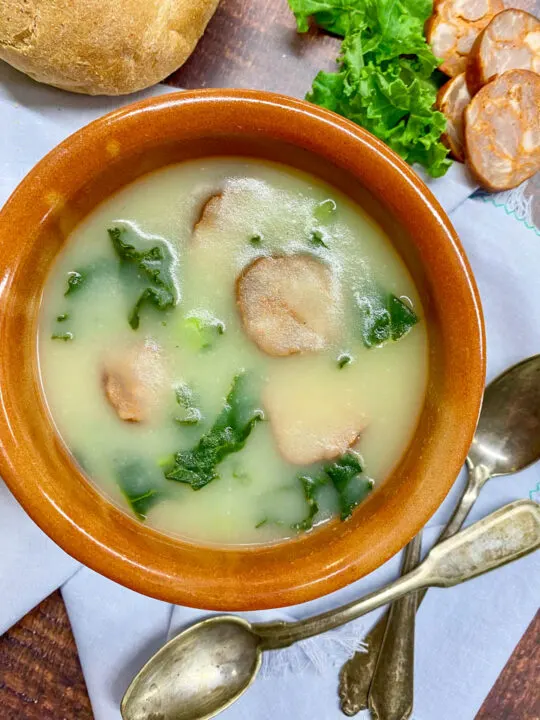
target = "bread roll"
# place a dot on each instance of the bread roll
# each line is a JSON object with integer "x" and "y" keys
{"x": 101, "y": 47}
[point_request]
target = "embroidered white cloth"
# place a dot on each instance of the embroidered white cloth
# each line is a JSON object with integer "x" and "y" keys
{"x": 476, "y": 625}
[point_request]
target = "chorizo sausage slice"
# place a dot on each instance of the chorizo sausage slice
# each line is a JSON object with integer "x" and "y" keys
{"x": 502, "y": 130}
{"x": 209, "y": 213}
{"x": 132, "y": 382}
{"x": 288, "y": 304}
{"x": 306, "y": 427}
{"x": 511, "y": 41}
{"x": 452, "y": 99}
{"x": 453, "y": 27}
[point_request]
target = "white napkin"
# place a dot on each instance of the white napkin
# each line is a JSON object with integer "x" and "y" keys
{"x": 476, "y": 625}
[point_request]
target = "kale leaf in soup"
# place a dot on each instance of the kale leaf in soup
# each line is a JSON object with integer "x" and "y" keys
{"x": 384, "y": 317}
{"x": 190, "y": 415}
{"x": 348, "y": 480}
{"x": 198, "y": 467}
{"x": 76, "y": 280}
{"x": 153, "y": 266}
{"x": 139, "y": 486}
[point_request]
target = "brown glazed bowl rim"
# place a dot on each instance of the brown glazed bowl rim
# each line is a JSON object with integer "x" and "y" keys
{"x": 38, "y": 469}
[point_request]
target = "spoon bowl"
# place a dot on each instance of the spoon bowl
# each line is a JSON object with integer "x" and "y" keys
{"x": 507, "y": 437}
{"x": 207, "y": 667}
{"x": 196, "y": 674}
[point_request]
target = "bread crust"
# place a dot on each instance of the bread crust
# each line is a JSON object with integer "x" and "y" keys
{"x": 101, "y": 47}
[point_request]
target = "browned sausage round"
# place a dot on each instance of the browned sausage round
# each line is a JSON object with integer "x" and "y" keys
{"x": 133, "y": 381}
{"x": 452, "y": 99}
{"x": 502, "y": 130}
{"x": 453, "y": 27}
{"x": 288, "y": 304}
{"x": 209, "y": 212}
{"x": 511, "y": 41}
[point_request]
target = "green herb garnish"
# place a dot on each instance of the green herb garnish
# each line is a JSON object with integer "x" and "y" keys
{"x": 350, "y": 484}
{"x": 310, "y": 486}
{"x": 139, "y": 487}
{"x": 191, "y": 414}
{"x": 384, "y": 317}
{"x": 255, "y": 240}
{"x": 63, "y": 336}
{"x": 228, "y": 434}
{"x": 352, "y": 487}
{"x": 344, "y": 359}
{"x": 153, "y": 266}
{"x": 75, "y": 281}
{"x": 387, "y": 78}
{"x": 325, "y": 210}
{"x": 202, "y": 331}
{"x": 316, "y": 239}
{"x": 62, "y": 318}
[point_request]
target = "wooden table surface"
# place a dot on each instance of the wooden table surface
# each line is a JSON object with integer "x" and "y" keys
{"x": 251, "y": 44}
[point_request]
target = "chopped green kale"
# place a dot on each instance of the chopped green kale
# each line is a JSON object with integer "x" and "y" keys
{"x": 62, "y": 336}
{"x": 384, "y": 317}
{"x": 344, "y": 359}
{"x": 75, "y": 281}
{"x": 201, "y": 331}
{"x": 62, "y": 318}
{"x": 255, "y": 240}
{"x": 139, "y": 486}
{"x": 352, "y": 487}
{"x": 346, "y": 476}
{"x": 153, "y": 266}
{"x": 316, "y": 239}
{"x": 191, "y": 415}
{"x": 198, "y": 467}
{"x": 310, "y": 486}
{"x": 325, "y": 210}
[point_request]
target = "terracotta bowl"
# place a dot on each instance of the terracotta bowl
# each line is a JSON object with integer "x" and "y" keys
{"x": 102, "y": 157}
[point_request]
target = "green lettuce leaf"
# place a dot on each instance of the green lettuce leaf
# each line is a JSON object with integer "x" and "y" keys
{"x": 386, "y": 80}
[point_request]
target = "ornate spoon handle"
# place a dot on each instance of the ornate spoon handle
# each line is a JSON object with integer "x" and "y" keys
{"x": 392, "y": 690}
{"x": 357, "y": 674}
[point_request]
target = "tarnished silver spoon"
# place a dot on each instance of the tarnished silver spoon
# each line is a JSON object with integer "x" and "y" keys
{"x": 507, "y": 440}
{"x": 207, "y": 667}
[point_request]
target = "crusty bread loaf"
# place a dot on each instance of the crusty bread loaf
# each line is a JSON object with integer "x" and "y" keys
{"x": 101, "y": 47}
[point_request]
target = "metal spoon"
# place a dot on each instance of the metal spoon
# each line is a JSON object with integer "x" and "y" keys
{"x": 207, "y": 667}
{"x": 507, "y": 440}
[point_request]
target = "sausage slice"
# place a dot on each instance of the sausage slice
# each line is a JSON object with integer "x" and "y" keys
{"x": 511, "y": 41}
{"x": 502, "y": 130}
{"x": 288, "y": 304}
{"x": 452, "y": 99}
{"x": 132, "y": 381}
{"x": 209, "y": 213}
{"x": 453, "y": 27}
{"x": 307, "y": 427}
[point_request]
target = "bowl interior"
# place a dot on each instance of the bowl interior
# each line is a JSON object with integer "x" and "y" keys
{"x": 93, "y": 164}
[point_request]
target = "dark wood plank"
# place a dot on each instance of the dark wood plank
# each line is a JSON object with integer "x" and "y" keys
{"x": 254, "y": 44}
{"x": 516, "y": 694}
{"x": 40, "y": 673}
{"x": 41, "y": 678}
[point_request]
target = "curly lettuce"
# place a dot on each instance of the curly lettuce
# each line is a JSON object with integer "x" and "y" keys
{"x": 386, "y": 81}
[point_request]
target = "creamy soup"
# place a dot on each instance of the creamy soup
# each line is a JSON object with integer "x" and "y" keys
{"x": 232, "y": 351}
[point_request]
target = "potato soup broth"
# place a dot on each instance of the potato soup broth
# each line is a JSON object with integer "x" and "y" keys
{"x": 341, "y": 395}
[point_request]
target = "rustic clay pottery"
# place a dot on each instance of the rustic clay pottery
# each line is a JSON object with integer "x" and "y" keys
{"x": 102, "y": 157}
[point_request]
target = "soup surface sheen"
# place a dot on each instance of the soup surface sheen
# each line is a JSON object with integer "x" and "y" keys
{"x": 127, "y": 399}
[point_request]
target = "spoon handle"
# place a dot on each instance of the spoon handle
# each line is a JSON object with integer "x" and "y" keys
{"x": 392, "y": 690}
{"x": 505, "y": 535}
{"x": 358, "y": 672}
